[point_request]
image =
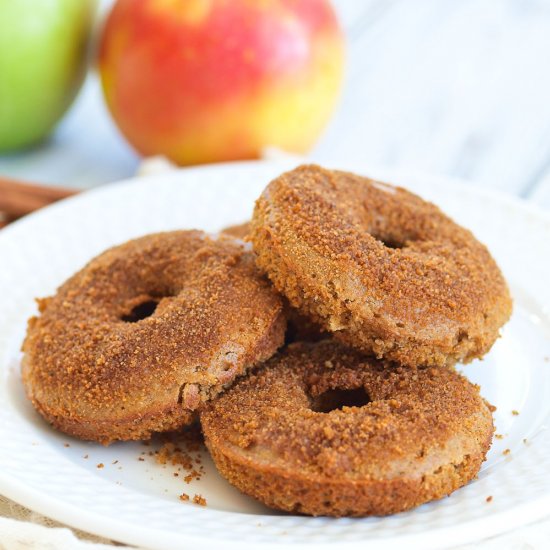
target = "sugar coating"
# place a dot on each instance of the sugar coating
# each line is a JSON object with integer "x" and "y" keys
{"x": 424, "y": 433}
{"x": 386, "y": 272}
{"x": 96, "y": 376}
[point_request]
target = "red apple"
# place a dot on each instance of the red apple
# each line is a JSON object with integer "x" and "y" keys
{"x": 212, "y": 80}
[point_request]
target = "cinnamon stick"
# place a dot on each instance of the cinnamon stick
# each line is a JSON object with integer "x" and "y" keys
{"x": 19, "y": 198}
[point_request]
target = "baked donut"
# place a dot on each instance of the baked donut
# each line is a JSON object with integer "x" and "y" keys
{"x": 300, "y": 328}
{"x": 384, "y": 270}
{"x": 321, "y": 429}
{"x": 148, "y": 332}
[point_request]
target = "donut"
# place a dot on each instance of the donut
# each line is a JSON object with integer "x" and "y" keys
{"x": 385, "y": 271}
{"x": 322, "y": 429}
{"x": 146, "y": 333}
{"x": 299, "y": 328}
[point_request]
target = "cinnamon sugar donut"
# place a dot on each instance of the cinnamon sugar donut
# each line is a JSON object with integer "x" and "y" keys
{"x": 323, "y": 430}
{"x": 384, "y": 270}
{"x": 148, "y": 332}
{"x": 299, "y": 328}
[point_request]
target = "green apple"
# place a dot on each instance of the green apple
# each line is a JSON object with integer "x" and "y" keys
{"x": 43, "y": 59}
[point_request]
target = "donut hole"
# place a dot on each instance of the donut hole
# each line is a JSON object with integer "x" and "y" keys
{"x": 337, "y": 398}
{"x": 141, "y": 311}
{"x": 385, "y": 236}
{"x": 144, "y": 305}
{"x": 390, "y": 242}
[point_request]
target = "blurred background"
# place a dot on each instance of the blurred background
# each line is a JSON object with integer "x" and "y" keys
{"x": 440, "y": 86}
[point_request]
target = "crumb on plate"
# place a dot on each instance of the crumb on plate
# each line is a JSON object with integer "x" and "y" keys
{"x": 199, "y": 499}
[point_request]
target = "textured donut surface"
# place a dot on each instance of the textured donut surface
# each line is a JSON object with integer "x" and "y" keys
{"x": 146, "y": 333}
{"x": 321, "y": 429}
{"x": 384, "y": 270}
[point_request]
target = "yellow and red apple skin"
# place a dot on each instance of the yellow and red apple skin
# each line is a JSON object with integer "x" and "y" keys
{"x": 214, "y": 80}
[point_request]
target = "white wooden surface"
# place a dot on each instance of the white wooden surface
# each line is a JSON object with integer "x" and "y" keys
{"x": 452, "y": 87}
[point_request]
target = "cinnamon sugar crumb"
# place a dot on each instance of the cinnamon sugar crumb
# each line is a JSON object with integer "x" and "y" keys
{"x": 506, "y": 452}
{"x": 183, "y": 451}
{"x": 515, "y": 413}
{"x": 489, "y": 499}
{"x": 100, "y": 465}
{"x": 499, "y": 436}
{"x": 184, "y": 497}
{"x": 200, "y": 500}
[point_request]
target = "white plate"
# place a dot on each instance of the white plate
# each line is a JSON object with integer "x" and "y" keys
{"x": 136, "y": 501}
